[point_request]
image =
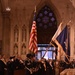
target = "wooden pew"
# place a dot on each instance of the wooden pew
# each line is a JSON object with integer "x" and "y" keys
{"x": 16, "y": 72}
{"x": 19, "y": 72}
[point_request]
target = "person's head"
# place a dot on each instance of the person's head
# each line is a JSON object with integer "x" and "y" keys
{"x": 29, "y": 56}
{"x": 12, "y": 58}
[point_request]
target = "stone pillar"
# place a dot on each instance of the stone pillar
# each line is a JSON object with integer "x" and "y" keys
{"x": 6, "y": 33}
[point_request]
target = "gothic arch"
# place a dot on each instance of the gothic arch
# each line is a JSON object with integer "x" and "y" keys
{"x": 16, "y": 33}
{"x": 24, "y": 33}
{"x": 55, "y": 11}
{"x": 52, "y": 6}
{"x": 46, "y": 24}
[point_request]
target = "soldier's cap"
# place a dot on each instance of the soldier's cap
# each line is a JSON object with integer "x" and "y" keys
{"x": 29, "y": 55}
{"x": 12, "y": 57}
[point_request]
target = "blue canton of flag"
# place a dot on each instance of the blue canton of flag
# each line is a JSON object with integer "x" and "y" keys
{"x": 64, "y": 41}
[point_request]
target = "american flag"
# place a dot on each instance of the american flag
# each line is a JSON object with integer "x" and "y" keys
{"x": 33, "y": 37}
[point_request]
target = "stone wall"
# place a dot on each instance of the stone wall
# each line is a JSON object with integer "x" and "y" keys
{"x": 21, "y": 13}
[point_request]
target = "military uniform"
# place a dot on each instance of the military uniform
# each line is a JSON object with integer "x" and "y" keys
{"x": 30, "y": 65}
{"x": 10, "y": 66}
{"x": 2, "y": 66}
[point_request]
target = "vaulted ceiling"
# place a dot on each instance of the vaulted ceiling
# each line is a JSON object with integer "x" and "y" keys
{"x": 19, "y": 3}
{"x": 4, "y": 4}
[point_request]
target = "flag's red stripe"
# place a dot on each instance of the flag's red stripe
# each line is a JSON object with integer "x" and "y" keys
{"x": 33, "y": 38}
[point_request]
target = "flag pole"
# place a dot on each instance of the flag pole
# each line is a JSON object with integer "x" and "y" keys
{"x": 69, "y": 22}
{"x": 35, "y": 9}
{"x": 50, "y": 43}
{"x": 63, "y": 51}
{"x": 46, "y": 51}
{"x": 33, "y": 35}
{"x": 66, "y": 56}
{"x": 53, "y": 45}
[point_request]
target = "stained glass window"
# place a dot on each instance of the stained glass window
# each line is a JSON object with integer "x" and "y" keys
{"x": 46, "y": 27}
{"x": 15, "y": 51}
{"x": 23, "y": 49}
{"x": 46, "y": 24}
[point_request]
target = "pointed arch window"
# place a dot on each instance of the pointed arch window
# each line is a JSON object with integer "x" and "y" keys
{"x": 46, "y": 26}
{"x": 15, "y": 51}
{"x": 23, "y": 33}
{"x": 23, "y": 51}
{"x": 16, "y": 33}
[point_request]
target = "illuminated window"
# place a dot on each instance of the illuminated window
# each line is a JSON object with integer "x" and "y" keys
{"x": 50, "y": 54}
{"x": 46, "y": 27}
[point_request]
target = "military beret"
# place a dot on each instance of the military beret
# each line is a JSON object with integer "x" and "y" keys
{"x": 12, "y": 57}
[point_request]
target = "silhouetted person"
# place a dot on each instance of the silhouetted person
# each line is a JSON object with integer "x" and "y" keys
{"x": 2, "y": 66}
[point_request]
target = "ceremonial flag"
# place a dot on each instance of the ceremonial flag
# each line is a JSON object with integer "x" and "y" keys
{"x": 62, "y": 40}
{"x": 33, "y": 37}
{"x": 57, "y": 33}
{"x": 55, "y": 43}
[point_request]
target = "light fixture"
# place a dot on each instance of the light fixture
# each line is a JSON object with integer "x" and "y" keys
{"x": 8, "y": 9}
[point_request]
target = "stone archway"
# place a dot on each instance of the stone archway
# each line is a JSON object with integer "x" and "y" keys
{"x": 57, "y": 15}
{"x": 46, "y": 25}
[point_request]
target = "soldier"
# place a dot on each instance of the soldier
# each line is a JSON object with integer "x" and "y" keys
{"x": 2, "y": 65}
{"x": 42, "y": 67}
{"x": 28, "y": 65}
{"x": 10, "y": 65}
{"x": 31, "y": 65}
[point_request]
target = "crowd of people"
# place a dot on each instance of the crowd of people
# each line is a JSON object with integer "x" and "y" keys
{"x": 9, "y": 65}
{"x": 38, "y": 67}
{"x": 32, "y": 66}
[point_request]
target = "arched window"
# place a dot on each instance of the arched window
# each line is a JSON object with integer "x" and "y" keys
{"x": 16, "y": 33}
{"x": 23, "y": 49}
{"x": 46, "y": 26}
{"x": 15, "y": 51}
{"x": 23, "y": 33}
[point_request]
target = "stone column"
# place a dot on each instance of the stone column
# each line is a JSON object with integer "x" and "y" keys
{"x": 6, "y": 33}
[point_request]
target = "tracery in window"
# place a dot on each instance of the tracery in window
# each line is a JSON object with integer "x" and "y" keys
{"x": 23, "y": 51}
{"x": 46, "y": 25}
{"x": 23, "y": 33}
{"x": 15, "y": 51}
{"x": 16, "y": 33}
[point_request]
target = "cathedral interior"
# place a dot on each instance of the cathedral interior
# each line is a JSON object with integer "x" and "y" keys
{"x": 16, "y": 18}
